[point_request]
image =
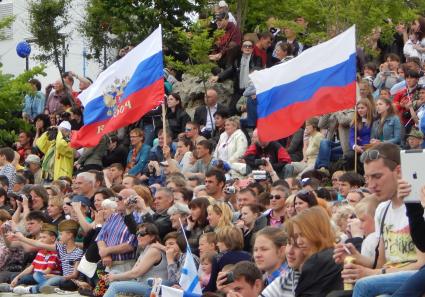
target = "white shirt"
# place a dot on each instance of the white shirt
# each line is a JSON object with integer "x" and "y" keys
{"x": 210, "y": 123}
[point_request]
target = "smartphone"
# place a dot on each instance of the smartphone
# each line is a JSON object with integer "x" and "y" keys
{"x": 229, "y": 278}
{"x": 413, "y": 171}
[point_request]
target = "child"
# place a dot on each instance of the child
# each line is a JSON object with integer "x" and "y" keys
{"x": 205, "y": 269}
{"x": 69, "y": 255}
{"x": 7, "y": 155}
{"x": 46, "y": 264}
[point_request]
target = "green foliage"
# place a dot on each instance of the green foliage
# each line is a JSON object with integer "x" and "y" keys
{"x": 12, "y": 92}
{"x": 4, "y": 23}
{"x": 47, "y": 18}
{"x": 117, "y": 23}
{"x": 198, "y": 42}
{"x": 330, "y": 17}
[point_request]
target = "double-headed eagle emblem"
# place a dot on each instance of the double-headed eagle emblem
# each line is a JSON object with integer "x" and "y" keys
{"x": 112, "y": 97}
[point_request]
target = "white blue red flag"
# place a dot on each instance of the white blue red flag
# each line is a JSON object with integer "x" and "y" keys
{"x": 123, "y": 93}
{"x": 189, "y": 280}
{"x": 320, "y": 80}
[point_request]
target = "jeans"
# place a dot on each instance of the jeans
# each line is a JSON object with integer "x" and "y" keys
{"x": 328, "y": 151}
{"x": 414, "y": 286}
{"x": 382, "y": 284}
{"x": 133, "y": 287}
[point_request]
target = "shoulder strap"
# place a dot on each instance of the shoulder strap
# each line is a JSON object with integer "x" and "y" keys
{"x": 381, "y": 232}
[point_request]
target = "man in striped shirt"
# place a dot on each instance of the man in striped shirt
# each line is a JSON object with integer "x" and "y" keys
{"x": 117, "y": 246}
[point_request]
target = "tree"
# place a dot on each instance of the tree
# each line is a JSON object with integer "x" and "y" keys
{"x": 4, "y": 23}
{"x": 118, "y": 23}
{"x": 12, "y": 92}
{"x": 198, "y": 42}
{"x": 328, "y": 17}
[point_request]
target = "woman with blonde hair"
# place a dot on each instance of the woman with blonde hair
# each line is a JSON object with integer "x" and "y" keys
{"x": 219, "y": 216}
{"x": 232, "y": 143}
{"x": 313, "y": 233}
{"x": 145, "y": 193}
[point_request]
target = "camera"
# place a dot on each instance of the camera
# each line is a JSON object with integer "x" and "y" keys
{"x": 132, "y": 200}
{"x": 259, "y": 162}
{"x": 259, "y": 175}
{"x": 229, "y": 278}
{"x": 230, "y": 190}
{"x": 22, "y": 196}
{"x": 52, "y": 132}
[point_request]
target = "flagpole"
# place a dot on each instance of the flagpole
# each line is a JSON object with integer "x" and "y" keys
{"x": 164, "y": 120}
{"x": 355, "y": 126}
{"x": 185, "y": 238}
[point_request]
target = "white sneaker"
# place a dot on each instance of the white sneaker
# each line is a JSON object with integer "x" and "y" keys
{"x": 4, "y": 287}
{"x": 62, "y": 292}
{"x": 48, "y": 289}
{"x": 21, "y": 290}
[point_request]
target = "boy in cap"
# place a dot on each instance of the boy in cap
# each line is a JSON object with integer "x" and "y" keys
{"x": 69, "y": 255}
{"x": 415, "y": 139}
{"x": 46, "y": 264}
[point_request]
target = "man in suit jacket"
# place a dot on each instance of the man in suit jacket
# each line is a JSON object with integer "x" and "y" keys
{"x": 204, "y": 115}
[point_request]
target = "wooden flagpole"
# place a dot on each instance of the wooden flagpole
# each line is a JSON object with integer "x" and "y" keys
{"x": 355, "y": 125}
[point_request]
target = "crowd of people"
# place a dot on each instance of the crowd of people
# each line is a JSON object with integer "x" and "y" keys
{"x": 319, "y": 213}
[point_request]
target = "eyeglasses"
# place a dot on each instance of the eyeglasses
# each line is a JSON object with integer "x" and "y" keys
{"x": 247, "y": 46}
{"x": 277, "y": 197}
{"x": 188, "y": 129}
{"x": 373, "y": 155}
{"x": 142, "y": 233}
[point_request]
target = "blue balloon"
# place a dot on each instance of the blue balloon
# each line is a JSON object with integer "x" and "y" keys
{"x": 23, "y": 49}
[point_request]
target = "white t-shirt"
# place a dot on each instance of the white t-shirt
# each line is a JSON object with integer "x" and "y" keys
{"x": 369, "y": 245}
{"x": 399, "y": 247}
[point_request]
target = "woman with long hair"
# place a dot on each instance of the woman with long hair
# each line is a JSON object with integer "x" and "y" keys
{"x": 249, "y": 215}
{"x": 387, "y": 127}
{"x": 313, "y": 234}
{"x": 176, "y": 115}
{"x": 269, "y": 252}
{"x": 219, "y": 216}
{"x": 304, "y": 199}
{"x": 197, "y": 222}
{"x": 363, "y": 118}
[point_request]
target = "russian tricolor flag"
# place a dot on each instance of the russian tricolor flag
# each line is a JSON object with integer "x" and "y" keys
{"x": 123, "y": 93}
{"x": 320, "y": 80}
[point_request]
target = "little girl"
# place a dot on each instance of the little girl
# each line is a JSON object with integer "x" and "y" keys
{"x": 205, "y": 268}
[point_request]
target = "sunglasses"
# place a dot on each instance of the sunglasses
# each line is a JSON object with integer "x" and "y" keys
{"x": 68, "y": 203}
{"x": 142, "y": 233}
{"x": 373, "y": 155}
{"x": 188, "y": 129}
{"x": 276, "y": 197}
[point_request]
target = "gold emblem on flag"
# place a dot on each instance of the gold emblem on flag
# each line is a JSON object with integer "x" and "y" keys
{"x": 112, "y": 97}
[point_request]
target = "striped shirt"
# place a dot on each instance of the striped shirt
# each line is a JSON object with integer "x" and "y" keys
{"x": 283, "y": 286}
{"x": 47, "y": 259}
{"x": 114, "y": 232}
{"x": 9, "y": 171}
{"x": 68, "y": 260}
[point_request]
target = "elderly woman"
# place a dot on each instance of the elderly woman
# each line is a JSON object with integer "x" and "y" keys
{"x": 178, "y": 213}
{"x": 232, "y": 143}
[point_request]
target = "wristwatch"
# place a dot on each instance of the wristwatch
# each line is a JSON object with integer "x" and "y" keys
{"x": 383, "y": 270}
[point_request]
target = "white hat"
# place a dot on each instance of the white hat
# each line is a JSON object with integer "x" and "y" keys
{"x": 222, "y": 4}
{"x": 65, "y": 125}
{"x": 32, "y": 159}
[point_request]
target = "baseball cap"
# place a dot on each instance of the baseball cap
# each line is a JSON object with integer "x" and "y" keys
{"x": 65, "y": 125}
{"x": 32, "y": 159}
{"x": 416, "y": 133}
{"x": 83, "y": 199}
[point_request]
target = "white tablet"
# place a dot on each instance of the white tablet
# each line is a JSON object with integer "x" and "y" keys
{"x": 413, "y": 171}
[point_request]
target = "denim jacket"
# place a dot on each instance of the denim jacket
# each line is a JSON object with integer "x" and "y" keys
{"x": 34, "y": 104}
{"x": 142, "y": 159}
{"x": 391, "y": 131}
